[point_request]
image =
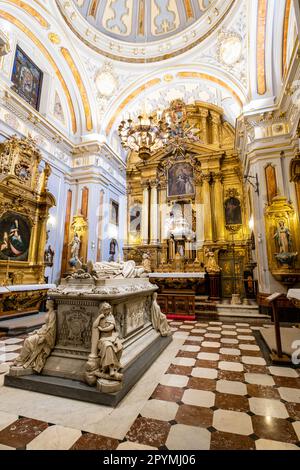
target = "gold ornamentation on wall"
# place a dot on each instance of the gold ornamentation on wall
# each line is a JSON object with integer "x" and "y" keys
{"x": 24, "y": 207}
{"x": 81, "y": 87}
{"x": 54, "y": 38}
{"x": 283, "y": 242}
{"x": 190, "y": 198}
{"x": 32, "y": 12}
{"x": 261, "y": 45}
{"x": 271, "y": 183}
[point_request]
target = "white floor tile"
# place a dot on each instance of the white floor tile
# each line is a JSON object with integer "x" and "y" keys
{"x": 55, "y": 438}
{"x": 232, "y": 387}
{"x": 230, "y": 351}
{"x": 267, "y": 444}
{"x": 259, "y": 379}
{"x": 210, "y": 344}
{"x": 231, "y": 366}
{"x": 198, "y": 398}
{"x": 208, "y": 356}
{"x": 232, "y": 422}
{"x": 182, "y": 437}
{"x": 204, "y": 373}
{"x": 257, "y": 361}
{"x": 283, "y": 371}
{"x": 160, "y": 409}
{"x": 290, "y": 394}
{"x": 212, "y": 335}
{"x": 229, "y": 341}
{"x": 184, "y": 361}
{"x": 174, "y": 380}
{"x": 268, "y": 407}
{"x": 249, "y": 347}
{"x": 128, "y": 445}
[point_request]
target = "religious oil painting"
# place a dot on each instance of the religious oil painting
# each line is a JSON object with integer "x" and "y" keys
{"x": 233, "y": 213}
{"x": 14, "y": 237}
{"x": 135, "y": 218}
{"x": 181, "y": 180}
{"x": 114, "y": 213}
{"x": 27, "y": 79}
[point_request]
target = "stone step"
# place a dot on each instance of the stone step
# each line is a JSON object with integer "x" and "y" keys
{"x": 22, "y": 325}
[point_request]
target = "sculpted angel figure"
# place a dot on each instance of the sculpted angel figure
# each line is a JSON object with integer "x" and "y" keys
{"x": 39, "y": 344}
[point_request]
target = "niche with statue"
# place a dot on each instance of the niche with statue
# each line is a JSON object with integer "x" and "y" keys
{"x": 283, "y": 242}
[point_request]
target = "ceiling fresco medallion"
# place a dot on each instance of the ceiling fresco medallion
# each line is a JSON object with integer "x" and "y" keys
{"x": 229, "y": 48}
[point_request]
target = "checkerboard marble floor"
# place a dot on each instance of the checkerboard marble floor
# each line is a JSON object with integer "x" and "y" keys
{"x": 210, "y": 389}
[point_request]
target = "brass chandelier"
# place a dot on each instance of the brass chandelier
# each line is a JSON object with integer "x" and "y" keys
{"x": 144, "y": 136}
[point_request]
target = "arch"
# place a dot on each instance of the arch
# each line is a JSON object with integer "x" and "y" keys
{"x": 148, "y": 83}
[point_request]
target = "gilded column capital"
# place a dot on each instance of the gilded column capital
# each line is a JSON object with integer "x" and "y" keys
{"x": 203, "y": 113}
{"x": 145, "y": 184}
{"x": 217, "y": 177}
{"x": 206, "y": 177}
{"x": 215, "y": 117}
{"x": 154, "y": 183}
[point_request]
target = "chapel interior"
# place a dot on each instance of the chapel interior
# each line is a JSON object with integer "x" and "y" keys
{"x": 149, "y": 225}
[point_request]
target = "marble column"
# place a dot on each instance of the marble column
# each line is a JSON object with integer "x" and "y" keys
{"x": 145, "y": 215}
{"x": 199, "y": 215}
{"x": 203, "y": 115}
{"x": 163, "y": 212}
{"x": 206, "y": 177}
{"x": 215, "y": 120}
{"x": 154, "y": 213}
{"x": 219, "y": 207}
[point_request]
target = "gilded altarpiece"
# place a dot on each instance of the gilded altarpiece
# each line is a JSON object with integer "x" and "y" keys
{"x": 179, "y": 198}
{"x": 24, "y": 208}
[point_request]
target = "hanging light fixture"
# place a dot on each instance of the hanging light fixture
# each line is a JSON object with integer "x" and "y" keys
{"x": 148, "y": 133}
{"x": 143, "y": 136}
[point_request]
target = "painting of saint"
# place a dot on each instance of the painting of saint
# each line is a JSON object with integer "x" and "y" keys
{"x": 233, "y": 213}
{"x": 114, "y": 213}
{"x": 14, "y": 237}
{"x": 135, "y": 218}
{"x": 27, "y": 79}
{"x": 181, "y": 180}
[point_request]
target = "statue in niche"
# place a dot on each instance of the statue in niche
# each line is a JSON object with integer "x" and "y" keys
{"x": 211, "y": 265}
{"x": 171, "y": 248}
{"x": 39, "y": 344}
{"x": 158, "y": 319}
{"x": 75, "y": 248}
{"x": 106, "y": 349}
{"x": 112, "y": 249}
{"x": 146, "y": 263}
{"x": 49, "y": 256}
{"x": 283, "y": 239}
